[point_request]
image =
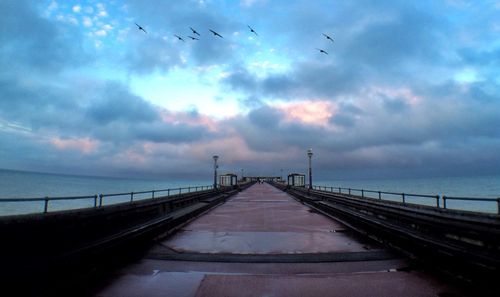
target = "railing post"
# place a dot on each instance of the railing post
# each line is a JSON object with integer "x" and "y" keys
{"x": 403, "y": 195}
{"x": 349, "y": 191}
{"x": 95, "y": 200}
{"x": 180, "y": 191}
{"x": 379, "y": 196}
{"x": 131, "y": 196}
{"x": 444, "y": 202}
{"x": 437, "y": 201}
{"x": 46, "y": 206}
{"x": 362, "y": 193}
{"x": 498, "y": 205}
{"x": 153, "y": 194}
{"x": 168, "y": 192}
{"x": 100, "y": 200}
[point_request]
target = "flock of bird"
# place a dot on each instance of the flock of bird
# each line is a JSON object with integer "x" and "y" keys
{"x": 196, "y": 35}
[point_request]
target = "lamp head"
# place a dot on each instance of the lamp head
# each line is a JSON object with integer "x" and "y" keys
{"x": 310, "y": 152}
{"x": 216, "y": 158}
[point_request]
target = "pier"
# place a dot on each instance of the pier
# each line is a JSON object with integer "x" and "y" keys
{"x": 254, "y": 239}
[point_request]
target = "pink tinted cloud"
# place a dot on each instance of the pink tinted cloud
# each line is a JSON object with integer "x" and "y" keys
{"x": 403, "y": 93}
{"x": 309, "y": 112}
{"x": 186, "y": 118}
{"x": 84, "y": 145}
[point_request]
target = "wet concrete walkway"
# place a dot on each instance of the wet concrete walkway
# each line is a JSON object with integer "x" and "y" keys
{"x": 264, "y": 243}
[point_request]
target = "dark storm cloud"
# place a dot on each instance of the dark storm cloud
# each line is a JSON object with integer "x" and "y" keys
{"x": 107, "y": 111}
{"x": 116, "y": 103}
{"x": 173, "y": 133}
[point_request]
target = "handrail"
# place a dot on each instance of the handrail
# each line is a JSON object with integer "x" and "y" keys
{"x": 404, "y": 196}
{"x": 497, "y": 200}
{"x": 99, "y": 197}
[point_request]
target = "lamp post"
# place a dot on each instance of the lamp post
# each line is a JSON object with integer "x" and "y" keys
{"x": 215, "y": 170}
{"x": 241, "y": 174}
{"x": 281, "y": 174}
{"x": 310, "y": 154}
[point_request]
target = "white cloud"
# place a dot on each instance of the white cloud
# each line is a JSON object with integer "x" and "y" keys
{"x": 101, "y": 10}
{"x": 77, "y": 8}
{"x": 88, "y": 9}
{"x": 52, "y": 6}
{"x": 87, "y": 22}
{"x": 101, "y": 33}
{"x": 249, "y": 3}
{"x": 107, "y": 27}
{"x": 72, "y": 20}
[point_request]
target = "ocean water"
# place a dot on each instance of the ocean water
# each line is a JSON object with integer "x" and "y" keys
{"x": 20, "y": 184}
{"x": 471, "y": 187}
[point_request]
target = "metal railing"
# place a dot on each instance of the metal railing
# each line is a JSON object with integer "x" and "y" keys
{"x": 99, "y": 198}
{"x": 383, "y": 195}
{"x": 475, "y": 199}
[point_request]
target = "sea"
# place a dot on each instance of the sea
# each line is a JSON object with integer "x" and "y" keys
{"x": 21, "y": 184}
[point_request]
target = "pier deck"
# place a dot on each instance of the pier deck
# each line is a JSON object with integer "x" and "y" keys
{"x": 262, "y": 242}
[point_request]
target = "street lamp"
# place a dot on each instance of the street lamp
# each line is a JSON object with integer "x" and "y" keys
{"x": 215, "y": 170}
{"x": 242, "y": 174}
{"x": 310, "y": 154}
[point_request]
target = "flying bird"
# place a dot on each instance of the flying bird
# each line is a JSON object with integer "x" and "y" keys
{"x": 328, "y": 37}
{"x": 252, "y": 30}
{"x": 180, "y": 38}
{"x": 215, "y": 33}
{"x": 194, "y": 31}
{"x": 322, "y": 51}
{"x": 141, "y": 28}
{"x": 193, "y": 38}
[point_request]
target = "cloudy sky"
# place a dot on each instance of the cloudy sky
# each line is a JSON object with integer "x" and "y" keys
{"x": 407, "y": 89}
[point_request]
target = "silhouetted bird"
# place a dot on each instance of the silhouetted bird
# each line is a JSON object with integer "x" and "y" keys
{"x": 322, "y": 51}
{"x": 180, "y": 38}
{"x": 215, "y": 33}
{"x": 328, "y": 37}
{"x": 194, "y": 31}
{"x": 141, "y": 28}
{"x": 193, "y": 38}
{"x": 252, "y": 30}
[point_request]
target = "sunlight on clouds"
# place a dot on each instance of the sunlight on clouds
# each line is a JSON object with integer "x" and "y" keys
{"x": 234, "y": 149}
{"x": 182, "y": 90}
{"x": 308, "y": 112}
{"x": 189, "y": 119}
{"x": 84, "y": 145}
{"x": 404, "y": 94}
{"x": 10, "y": 127}
{"x": 467, "y": 76}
